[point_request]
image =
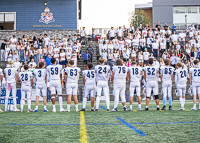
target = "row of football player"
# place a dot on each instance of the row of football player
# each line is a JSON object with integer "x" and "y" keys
{"x": 101, "y": 74}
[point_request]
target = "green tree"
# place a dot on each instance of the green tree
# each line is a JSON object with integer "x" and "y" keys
{"x": 139, "y": 17}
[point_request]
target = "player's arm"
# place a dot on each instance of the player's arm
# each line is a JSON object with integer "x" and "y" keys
{"x": 128, "y": 75}
{"x": 83, "y": 79}
{"x": 145, "y": 76}
{"x": 16, "y": 77}
{"x": 61, "y": 78}
{"x": 190, "y": 78}
{"x": 112, "y": 76}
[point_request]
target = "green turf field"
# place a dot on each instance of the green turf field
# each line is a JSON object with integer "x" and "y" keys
{"x": 102, "y": 126}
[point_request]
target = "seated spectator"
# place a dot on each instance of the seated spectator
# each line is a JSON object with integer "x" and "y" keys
{"x": 32, "y": 63}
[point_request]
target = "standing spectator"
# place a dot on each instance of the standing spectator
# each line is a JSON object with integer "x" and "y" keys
{"x": 46, "y": 40}
{"x": 45, "y": 52}
{"x": 85, "y": 56}
{"x": 116, "y": 55}
{"x": 83, "y": 35}
{"x": 104, "y": 55}
{"x": 120, "y": 33}
{"x": 166, "y": 26}
{"x": 62, "y": 58}
{"x": 24, "y": 39}
{"x": 162, "y": 47}
{"x": 125, "y": 57}
{"x": 3, "y": 46}
{"x": 48, "y": 60}
{"x": 173, "y": 28}
{"x": 121, "y": 45}
{"x": 41, "y": 60}
{"x": 131, "y": 29}
{"x": 40, "y": 41}
{"x": 140, "y": 58}
{"x": 112, "y": 34}
{"x": 155, "y": 48}
{"x": 133, "y": 54}
{"x": 158, "y": 25}
{"x": 173, "y": 60}
{"x": 13, "y": 39}
{"x": 146, "y": 57}
{"x": 91, "y": 52}
{"x": 182, "y": 39}
{"x": 167, "y": 36}
{"x": 17, "y": 64}
{"x": 32, "y": 62}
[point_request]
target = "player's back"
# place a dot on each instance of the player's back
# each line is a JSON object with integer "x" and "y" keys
{"x": 195, "y": 74}
{"x": 54, "y": 72}
{"x": 40, "y": 75}
{"x": 181, "y": 75}
{"x": 102, "y": 72}
{"x": 26, "y": 77}
{"x": 10, "y": 74}
{"x": 89, "y": 76}
{"x": 151, "y": 73}
{"x": 120, "y": 74}
{"x": 72, "y": 74}
{"x": 135, "y": 73}
{"x": 167, "y": 72}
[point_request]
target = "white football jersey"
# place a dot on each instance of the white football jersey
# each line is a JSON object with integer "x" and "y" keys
{"x": 135, "y": 73}
{"x": 120, "y": 74}
{"x": 181, "y": 76}
{"x": 89, "y": 76}
{"x": 151, "y": 73}
{"x": 54, "y": 71}
{"x": 1, "y": 71}
{"x": 40, "y": 75}
{"x": 102, "y": 72}
{"x": 72, "y": 74}
{"x": 10, "y": 74}
{"x": 26, "y": 77}
{"x": 195, "y": 74}
{"x": 167, "y": 72}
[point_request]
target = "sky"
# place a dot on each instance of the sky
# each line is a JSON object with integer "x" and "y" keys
{"x": 107, "y": 13}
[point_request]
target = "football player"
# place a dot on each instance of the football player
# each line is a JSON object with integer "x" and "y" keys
{"x": 181, "y": 80}
{"x": 71, "y": 78}
{"x": 40, "y": 75}
{"x": 90, "y": 87}
{"x": 11, "y": 76}
{"x": 102, "y": 76}
{"x": 195, "y": 82}
{"x": 150, "y": 77}
{"x": 134, "y": 74}
{"x": 1, "y": 78}
{"x": 26, "y": 80}
{"x": 54, "y": 75}
{"x": 166, "y": 79}
{"x": 118, "y": 76}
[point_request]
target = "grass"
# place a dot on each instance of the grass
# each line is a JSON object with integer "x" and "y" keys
{"x": 187, "y": 132}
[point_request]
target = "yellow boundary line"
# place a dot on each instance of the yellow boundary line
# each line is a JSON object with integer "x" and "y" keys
{"x": 83, "y": 133}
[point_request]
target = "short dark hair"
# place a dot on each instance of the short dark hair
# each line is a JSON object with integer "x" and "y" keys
{"x": 41, "y": 64}
{"x": 196, "y": 62}
{"x": 90, "y": 65}
{"x": 53, "y": 60}
{"x": 25, "y": 66}
{"x": 134, "y": 63}
{"x": 45, "y": 34}
{"x": 151, "y": 61}
{"x": 71, "y": 62}
{"x": 119, "y": 62}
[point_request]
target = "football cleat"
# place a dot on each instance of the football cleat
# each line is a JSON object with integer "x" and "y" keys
{"x": 1, "y": 110}
{"x": 163, "y": 108}
{"x": 129, "y": 109}
{"x": 157, "y": 108}
{"x": 194, "y": 108}
{"x": 36, "y": 111}
{"x": 181, "y": 109}
{"x": 16, "y": 110}
{"x": 114, "y": 110}
{"x": 92, "y": 109}
{"x": 170, "y": 107}
{"x": 62, "y": 110}
{"x": 96, "y": 110}
{"x": 146, "y": 109}
{"x": 77, "y": 110}
{"x": 124, "y": 108}
{"x": 30, "y": 110}
{"x": 108, "y": 110}
{"x": 67, "y": 110}
{"x": 54, "y": 110}
{"x": 82, "y": 109}
{"x": 45, "y": 110}
{"x": 139, "y": 109}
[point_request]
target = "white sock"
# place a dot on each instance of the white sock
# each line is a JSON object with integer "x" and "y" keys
{"x": 76, "y": 106}
{"x": 139, "y": 106}
{"x": 131, "y": 106}
{"x": 36, "y": 107}
{"x": 97, "y": 102}
{"x": 181, "y": 102}
{"x": 116, "y": 101}
{"x": 54, "y": 106}
{"x": 68, "y": 106}
{"x": 108, "y": 102}
{"x": 14, "y": 102}
{"x": 45, "y": 107}
{"x": 147, "y": 106}
{"x": 194, "y": 106}
{"x": 158, "y": 106}
{"x": 84, "y": 102}
{"x": 60, "y": 102}
{"x": 29, "y": 103}
{"x": 22, "y": 103}
{"x": 6, "y": 104}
